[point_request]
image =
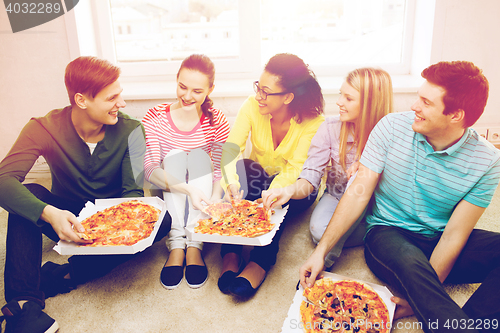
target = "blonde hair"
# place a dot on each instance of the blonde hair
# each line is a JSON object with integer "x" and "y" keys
{"x": 376, "y": 101}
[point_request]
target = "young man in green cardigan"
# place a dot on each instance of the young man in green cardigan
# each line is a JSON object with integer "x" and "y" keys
{"x": 94, "y": 151}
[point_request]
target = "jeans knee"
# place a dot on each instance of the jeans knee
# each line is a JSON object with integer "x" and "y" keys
{"x": 316, "y": 232}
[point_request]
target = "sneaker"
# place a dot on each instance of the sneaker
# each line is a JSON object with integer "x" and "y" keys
{"x": 52, "y": 281}
{"x": 29, "y": 319}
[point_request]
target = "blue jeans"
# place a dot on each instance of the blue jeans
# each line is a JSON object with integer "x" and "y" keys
{"x": 401, "y": 259}
{"x": 24, "y": 251}
{"x": 320, "y": 218}
{"x": 257, "y": 180}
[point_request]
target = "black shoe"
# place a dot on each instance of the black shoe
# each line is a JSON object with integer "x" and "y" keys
{"x": 171, "y": 276}
{"x": 243, "y": 288}
{"x": 29, "y": 319}
{"x": 196, "y": 275}
{"x": 228, "y": 277}
{"x": 52, "y": 281}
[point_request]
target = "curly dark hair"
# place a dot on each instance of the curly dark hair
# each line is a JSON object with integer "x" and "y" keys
{"x": 296, "y": 77}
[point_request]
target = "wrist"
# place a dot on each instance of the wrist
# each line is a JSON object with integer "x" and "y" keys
{"x": 47, "y": 212}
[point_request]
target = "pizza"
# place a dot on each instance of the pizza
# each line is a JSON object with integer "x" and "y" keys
{"x": 239, "y": 218}
{"x": 217, "y": 210}
{"x": 124, "y": 224}
{"x": 343, "y": 306}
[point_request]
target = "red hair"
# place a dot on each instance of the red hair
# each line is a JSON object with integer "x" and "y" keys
{"x": 88, "y": 76}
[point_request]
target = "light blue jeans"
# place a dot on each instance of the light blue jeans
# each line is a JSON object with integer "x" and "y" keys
{"x": 320, "y": 218}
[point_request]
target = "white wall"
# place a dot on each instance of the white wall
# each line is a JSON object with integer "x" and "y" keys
{"x": 32, "y": 65}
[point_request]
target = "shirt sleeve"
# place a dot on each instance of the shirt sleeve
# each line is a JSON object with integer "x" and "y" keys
{"x": 133, "y": 164}
{"x": 375, "y": 153}
{"x": 318, "y": 156}
{"x": 14, "y": 196}
{"x": 482, "y": 193}
{"x": 221, "y": 135}
{"x": 293, "y": 165}
{"x": 152, "y": 157}
{"x": 235, "y": 144}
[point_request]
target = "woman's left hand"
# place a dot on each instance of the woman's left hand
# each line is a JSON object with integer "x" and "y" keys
{"x": 352, "y": 170}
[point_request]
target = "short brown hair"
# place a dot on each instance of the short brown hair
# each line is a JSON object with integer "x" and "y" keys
{"x": 89, "y": 75}
{"x": 465, "y": 85}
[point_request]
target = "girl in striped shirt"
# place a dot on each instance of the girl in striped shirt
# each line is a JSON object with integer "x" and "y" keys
{"x": 184, "y": 144}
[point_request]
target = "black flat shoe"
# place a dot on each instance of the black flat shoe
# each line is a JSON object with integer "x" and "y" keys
{"x": 243, "y": 288}
{"x": 196, "y": 275}
{"x": 226, "y": 280}
{"x": 228, "y": 277}
{"x": 171, "y": 276}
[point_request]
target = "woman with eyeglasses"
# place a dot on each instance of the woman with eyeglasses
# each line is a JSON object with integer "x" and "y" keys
{"x": 281, "y": 119}
{"x": 365, "y": 97}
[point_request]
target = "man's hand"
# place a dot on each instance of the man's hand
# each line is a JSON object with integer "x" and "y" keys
{"x": 276, "y": 197}
{"x": 63, "y": 222}
{"x": 311, "y": 268}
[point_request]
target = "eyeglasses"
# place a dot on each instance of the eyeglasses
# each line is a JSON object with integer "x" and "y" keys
{"x": 264, "y": 94}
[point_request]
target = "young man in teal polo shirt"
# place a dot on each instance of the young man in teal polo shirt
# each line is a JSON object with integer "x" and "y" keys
{"x": 94, "y": 151}
{"x": 432, "y": 177}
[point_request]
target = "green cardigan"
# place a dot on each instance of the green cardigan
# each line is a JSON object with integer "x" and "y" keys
{"x": 111, "y": 171}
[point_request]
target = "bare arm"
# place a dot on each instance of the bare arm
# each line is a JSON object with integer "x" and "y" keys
{"x": 349, "y": 209}
{"x": 454, "y": 237}
{"x": 280, "y": 196}
{"x": 159, "y": 178}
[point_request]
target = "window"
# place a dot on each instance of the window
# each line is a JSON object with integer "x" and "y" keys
{"x": 149, "y": 38}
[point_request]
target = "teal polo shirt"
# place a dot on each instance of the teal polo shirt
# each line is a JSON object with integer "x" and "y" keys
{"x": 419, "y": 187}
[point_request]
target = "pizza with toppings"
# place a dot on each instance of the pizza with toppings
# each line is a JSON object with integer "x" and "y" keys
{"x": 240, "y": 218}
{"x": 217, "y": 210}
{"x": 343, "y": 306}
{"x": 124, "y": 224}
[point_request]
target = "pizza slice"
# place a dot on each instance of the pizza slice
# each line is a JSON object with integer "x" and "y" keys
{"x": 217, "y": 210}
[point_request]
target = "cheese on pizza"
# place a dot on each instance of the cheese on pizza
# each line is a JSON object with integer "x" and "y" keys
{"x": 343, "y": 306}
{"x": 124, "y": 224}
{"x": 240, "y": 218}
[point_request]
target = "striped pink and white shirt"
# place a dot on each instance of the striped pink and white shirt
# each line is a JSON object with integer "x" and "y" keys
{"x": 162, "y": 136}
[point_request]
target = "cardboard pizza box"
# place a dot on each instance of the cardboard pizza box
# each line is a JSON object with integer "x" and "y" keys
{"x": 68, "y": 248}
{"x": 276, "y": 218}
{"x": 293, "y": 322}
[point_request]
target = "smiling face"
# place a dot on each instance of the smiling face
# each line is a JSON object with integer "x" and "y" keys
{"x": 429, "y": 118}
{"x": 103, "y": 108}
{"x": 273, "y": 104}
{"x": 349, "y": 103}
{"x": 192, "y": 89}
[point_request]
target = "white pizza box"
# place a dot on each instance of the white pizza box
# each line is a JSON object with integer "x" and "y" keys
{"x": 67, "y": 248}
{"x": 276, "y": 218}
{"x": 293, "y": 323}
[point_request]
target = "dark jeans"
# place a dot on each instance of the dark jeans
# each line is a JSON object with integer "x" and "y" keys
{"x": 401, "y": 258}
{"x": 257, "y": 180}
{"x": 24, "y": 251}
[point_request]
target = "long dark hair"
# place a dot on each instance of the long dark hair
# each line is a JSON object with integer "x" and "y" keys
{"x": 202, "y": 64}
{"x": 296, "y": 77}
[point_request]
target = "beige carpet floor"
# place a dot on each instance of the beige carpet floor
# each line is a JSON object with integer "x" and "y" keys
{"x": 131, "y": 298}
